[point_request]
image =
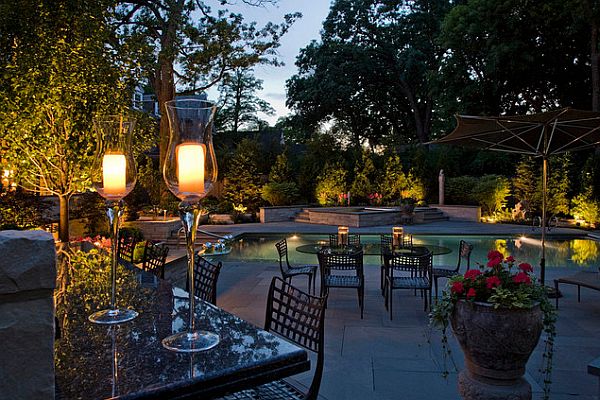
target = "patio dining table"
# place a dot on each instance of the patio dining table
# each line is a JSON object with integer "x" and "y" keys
{"x": 374, "y": 249}
{"x": 128, "y": 361}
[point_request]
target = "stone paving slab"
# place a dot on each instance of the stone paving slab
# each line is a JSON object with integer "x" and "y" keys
{"x": 375, "y": 358}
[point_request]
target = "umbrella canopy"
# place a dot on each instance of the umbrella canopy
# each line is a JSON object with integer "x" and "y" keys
{"x": 539, "y": 135}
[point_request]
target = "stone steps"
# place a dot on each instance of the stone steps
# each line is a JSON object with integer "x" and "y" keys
{"x": 302, "y": 216}
{"x": 432, "y": 214}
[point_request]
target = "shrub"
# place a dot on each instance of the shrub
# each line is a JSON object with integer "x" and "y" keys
{"x": 488, "y": 191}
{"x": 363, "y": 176}
{"x": 22, "y": 210}
{"x": 330, "y": 183}
{"x": 585, "y": 208}
{"x": 393, "y": 182}
{"x": 280, "y": 193}
{"x": 243, "y": 180}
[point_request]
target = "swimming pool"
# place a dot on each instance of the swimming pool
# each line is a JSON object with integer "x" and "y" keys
{"x": 575, "y": 253}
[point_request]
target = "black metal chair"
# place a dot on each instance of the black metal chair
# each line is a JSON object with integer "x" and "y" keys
{"x": 386, "y": 242}
{"x": 206, "y": 275}
{"x": 155, "y": 257}
{"x": 464, "y": 253}
{"x": 288, "y": 271}
{"x": 299, "y": 317}
{"x": 407, "y": 271}
{"x": 126, "y": 247}
{"x": 353, "y": 240}
{"x": 342, "y": 270}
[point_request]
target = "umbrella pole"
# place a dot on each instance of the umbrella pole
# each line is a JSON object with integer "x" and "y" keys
{"x": 544, "y": 191}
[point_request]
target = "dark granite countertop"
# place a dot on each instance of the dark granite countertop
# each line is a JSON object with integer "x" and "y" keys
{"x": 128, "y": 361}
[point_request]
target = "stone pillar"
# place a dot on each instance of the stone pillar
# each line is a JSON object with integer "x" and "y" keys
{"x": 442, "y": 182}
{"x": 27, "y": 280}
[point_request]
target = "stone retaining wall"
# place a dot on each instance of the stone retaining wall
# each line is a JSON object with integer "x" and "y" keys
{"x": 279, "y": 214}
{"x": 460, "y": 213}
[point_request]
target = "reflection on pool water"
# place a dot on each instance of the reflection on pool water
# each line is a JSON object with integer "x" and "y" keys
{"x": 564, "y": 253}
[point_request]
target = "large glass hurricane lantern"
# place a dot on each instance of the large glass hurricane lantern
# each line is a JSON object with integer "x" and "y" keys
{"x": 113, "y": 177}
{"x": 190, "y": 172}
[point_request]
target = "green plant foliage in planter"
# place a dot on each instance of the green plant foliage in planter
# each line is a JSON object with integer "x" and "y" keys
{"x": 506, "y": 289}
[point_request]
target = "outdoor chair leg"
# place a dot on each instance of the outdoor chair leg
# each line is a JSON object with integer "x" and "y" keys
{"x": 309, "y": 283}
{"x": 435, "y": 282}
{"x": 578, "y": 293}
{"x": 391, "y": 300}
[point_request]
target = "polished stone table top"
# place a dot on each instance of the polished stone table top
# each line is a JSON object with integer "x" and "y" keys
{"x": 128, "y": 361}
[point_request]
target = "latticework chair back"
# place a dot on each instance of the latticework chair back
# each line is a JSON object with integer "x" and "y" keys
{"x": 340, "y": 262}
{"x": 353, "y": 240}
{"x": 284, "y": 264}
{"x": 126, "y": 247}
{"x": 155, "y": 257}
{"x": 406, "y": 241}
{"x": 386, "y": 245}
{"x": 417, "y": 265}
{"x": 464, "y": 253}
{"x": 299, "y": 317}
{"x": 206, "y": 275}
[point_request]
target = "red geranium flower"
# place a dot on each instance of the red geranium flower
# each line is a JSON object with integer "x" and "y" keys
{"x": 525, "y": 267}
{"x": 492, "y": 282}
{"x": 457, "y": 287}
{"x": 522, "y": 277}
{"x": 495, "y": 254}
{"x": 494, "y": 262}
{"x": 510, "y": 259}
{"x": 472, "y": 274}
{"x": 471, "y": 293}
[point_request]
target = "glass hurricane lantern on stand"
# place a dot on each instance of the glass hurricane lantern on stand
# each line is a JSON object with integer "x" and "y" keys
{"x": 113, "y": 177}
{"x": 190, "y": 171}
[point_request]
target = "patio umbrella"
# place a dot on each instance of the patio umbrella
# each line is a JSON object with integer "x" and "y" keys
{"x": 539, "y": 135}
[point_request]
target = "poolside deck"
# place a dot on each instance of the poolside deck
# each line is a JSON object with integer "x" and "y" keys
{"x": 376, "y": 358}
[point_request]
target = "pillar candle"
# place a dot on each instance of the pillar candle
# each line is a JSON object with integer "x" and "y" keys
{"x": 397, "y": 233}
{"x": 342, "y": 236}
{"x": 190, "y": 168}
{"x": 113, "y": 174}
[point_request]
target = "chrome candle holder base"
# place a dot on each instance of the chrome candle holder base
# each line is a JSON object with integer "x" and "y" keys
{"x": 110, "y": 317}
{"x": 191, "y": 340}
{"x": 113, "y": 315}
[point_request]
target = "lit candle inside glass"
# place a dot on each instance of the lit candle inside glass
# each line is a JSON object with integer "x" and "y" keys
{"x": 342, "y": 235}
{"x": 113, "y": 174}
{"x": 190, "y": 168}
{"x": 397, "y": 232}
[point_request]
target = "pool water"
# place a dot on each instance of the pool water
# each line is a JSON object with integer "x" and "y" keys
{"x": 560, "y": 253}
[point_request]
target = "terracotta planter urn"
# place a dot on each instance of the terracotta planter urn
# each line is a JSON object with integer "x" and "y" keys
{"x": 497, "y": 344}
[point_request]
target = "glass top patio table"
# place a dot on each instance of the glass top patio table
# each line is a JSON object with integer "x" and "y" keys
{"x": 374, "y": 249}
{"x": 128, "y": 360}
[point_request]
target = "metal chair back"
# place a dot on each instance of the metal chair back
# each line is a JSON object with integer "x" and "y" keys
{"x": 353, "y": 240}
{"x": 155, "y": 257}
{"x": 299, "y": 317}
{"x": 206, "y": 275}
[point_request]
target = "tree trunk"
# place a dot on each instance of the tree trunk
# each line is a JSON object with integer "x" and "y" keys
{"x": 165, "y": 91}
{"x": 63, "y": 222}
{"x": 595, "y": 70}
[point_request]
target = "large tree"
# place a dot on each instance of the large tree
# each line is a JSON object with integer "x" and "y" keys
{"x": 239, "y": 105}
{"x": 372, "y": 69}
{"x": 511, "y": 57}
{"x": 57, "y": 73}
{"x": 185, "y": 45}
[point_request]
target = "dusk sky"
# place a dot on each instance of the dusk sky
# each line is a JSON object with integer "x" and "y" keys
{"x": 301, "y": 33}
